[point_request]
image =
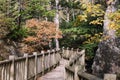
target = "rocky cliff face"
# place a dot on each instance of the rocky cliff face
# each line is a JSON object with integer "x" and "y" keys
{"x": 107, "y": 59}
{"x": 9, "y": 49}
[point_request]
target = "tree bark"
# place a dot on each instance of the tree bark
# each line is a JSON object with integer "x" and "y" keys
{"x": 111, "y": 8}
{"x": 56, "y": 20}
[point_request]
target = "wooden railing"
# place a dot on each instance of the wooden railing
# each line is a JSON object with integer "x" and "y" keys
{"x": 29, "y": 67}
{"x": 75, "y": 66}
{"x": 68, "y": 53}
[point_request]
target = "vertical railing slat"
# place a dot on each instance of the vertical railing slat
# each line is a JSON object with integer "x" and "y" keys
{"x": 43, "y": 62}
{"x": 2, "y": 73}
{"x": 12, "y": 69}
{"x": 26, "y": 67}
{"x": 35, "y": 66}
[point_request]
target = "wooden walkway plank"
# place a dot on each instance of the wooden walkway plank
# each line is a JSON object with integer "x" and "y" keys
{"x": 56, "y": 74}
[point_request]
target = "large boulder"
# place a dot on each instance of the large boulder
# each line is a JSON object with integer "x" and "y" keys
{"x": 107, "y": 59}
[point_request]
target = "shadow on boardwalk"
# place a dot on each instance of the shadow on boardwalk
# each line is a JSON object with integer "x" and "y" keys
{"x": 56, "y": 74}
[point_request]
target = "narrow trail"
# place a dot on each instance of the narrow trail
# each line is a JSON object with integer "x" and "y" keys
{"x": 56, "y": 74}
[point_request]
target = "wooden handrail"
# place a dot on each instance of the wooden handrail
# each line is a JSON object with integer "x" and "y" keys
{"x": 29, "y": 66}
{"x": 88, "y": 76}
{"x": 75, "y": 70}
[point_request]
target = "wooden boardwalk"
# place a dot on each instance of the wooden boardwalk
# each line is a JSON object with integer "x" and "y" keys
{"x": 56, "y": 74}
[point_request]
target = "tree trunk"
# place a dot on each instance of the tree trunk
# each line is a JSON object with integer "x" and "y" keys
{"x": 73, "y": 14}
{"x": 68, "y": 15}
{"x": 56, "y": 20}
{"x": 19, "y": 10}
{"x": 8, "y": 7}
{"x": 111, "y": 7}
{"x": 67, "y": 12}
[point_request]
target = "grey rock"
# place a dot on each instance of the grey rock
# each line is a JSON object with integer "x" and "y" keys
{"x": 107, "y": 59}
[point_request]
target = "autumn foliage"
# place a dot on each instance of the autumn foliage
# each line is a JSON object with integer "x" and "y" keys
{"x": 41, "y": 32}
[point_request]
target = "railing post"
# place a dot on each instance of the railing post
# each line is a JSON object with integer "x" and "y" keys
{"x": 71, "y": 54}
{"x": 110, "y": 77}
{"x": 67, "y": 52}
{"x": 63, "y": 50}
{"x": 56, "y": 56}
{"x": 53, "y": 58}
{"x": 82, "y": 60}
{"x": 35, "y": 68}
{"x": 75, "y": 74}
{"x": 80, "y": 64}
{"x": 59, "y": 56}
{"x": 72, "y": 51}
{"x": 48, "y": 60}
{"x": 26, "y": 66}
{"x": 77, "y": 50}
{"x": 12, "y": 69}
{"x": 43, "y": 64}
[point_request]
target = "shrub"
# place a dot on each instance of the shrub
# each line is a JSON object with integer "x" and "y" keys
{"x": 41, "y": 33}
{"x": 18, "y": 33}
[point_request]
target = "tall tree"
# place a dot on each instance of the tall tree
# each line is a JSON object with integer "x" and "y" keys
{"x": 56, "y": 20}
{"x": 111, "y": 8}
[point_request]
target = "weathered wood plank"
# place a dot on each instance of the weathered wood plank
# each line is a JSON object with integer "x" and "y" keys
{"x": 88, "y": 76}
{"x": 56, "y": 74}
{"x": 110, "y": 76}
